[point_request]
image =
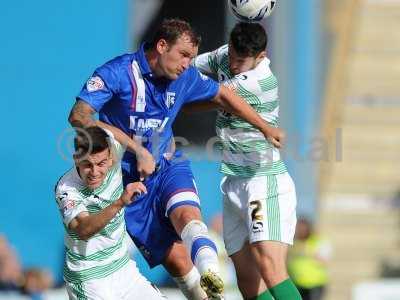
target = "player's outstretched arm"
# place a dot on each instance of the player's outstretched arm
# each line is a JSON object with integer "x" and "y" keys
{"x": 81, "y": 116}
{"x": 145, "y": 161}
{"x": 86, "y": 225}
{"x": 234, "y": 104}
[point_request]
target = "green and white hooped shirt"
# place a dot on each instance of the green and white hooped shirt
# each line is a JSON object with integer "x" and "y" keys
{"x": 105, "y": 252}
{"x": 245, "y": 152}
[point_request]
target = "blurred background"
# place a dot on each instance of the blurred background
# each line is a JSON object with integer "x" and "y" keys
{"x": 338, "y": 67}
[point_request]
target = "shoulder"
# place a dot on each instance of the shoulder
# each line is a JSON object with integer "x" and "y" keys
{"x": 117, "y": 62}
{"x": 67, "y": 183}
{"x": 222, "y": 51}
{"x": 121, "y": 59}
{"x": 193, "y": 73}
{"x": 260, "y": 72}
{"x": 255, "y": 76}
{"x": 222, "y": 54}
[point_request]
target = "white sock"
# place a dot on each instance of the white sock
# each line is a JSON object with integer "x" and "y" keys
{"x": 190, "y": 285}
{"x": 202, "y": 249}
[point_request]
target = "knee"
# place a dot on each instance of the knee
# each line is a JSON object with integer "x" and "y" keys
{"x": 177, "y": 261}
{"x": 181, "y": 216}
{"x": 177, "y": 266}
{"x": 271, "y": 263}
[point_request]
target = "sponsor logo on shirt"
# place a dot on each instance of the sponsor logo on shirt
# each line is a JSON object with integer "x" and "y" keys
{"x": 68, "y": 205}
{"x": 95, "y": 84}
{"x": 140, "y": 124}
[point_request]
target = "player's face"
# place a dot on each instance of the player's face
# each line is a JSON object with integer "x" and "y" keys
{"x": 93, "y": 168}
{"x": 176, "y": 58}
{"x": 239, "y": 64}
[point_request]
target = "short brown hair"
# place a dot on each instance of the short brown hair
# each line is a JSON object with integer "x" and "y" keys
{"x": 248, "y": 39}
{"x": 90, "y": 140}
{"x": 172, "y": 29}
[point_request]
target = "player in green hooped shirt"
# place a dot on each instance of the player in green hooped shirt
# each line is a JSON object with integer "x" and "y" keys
{"x": 91, "y": 200}
{"x": 259, "y": 197}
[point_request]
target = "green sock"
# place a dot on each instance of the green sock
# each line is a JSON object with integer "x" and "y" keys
{"x": 286, "y": 290}
{"x": 266, "y": 295}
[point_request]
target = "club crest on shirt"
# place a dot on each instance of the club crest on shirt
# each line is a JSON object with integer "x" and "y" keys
{"x": 204, "y": 77}
{"x": 95, "y": 83}
{"x": 170, "y": 99}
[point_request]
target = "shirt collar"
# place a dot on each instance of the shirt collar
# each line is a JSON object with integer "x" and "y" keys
{"x": 142, "y": 60}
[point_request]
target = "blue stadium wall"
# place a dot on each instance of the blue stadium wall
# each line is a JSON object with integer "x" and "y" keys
{"x": 48, "y": 49}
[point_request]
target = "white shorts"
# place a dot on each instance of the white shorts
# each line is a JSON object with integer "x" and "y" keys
{"x": 125, "y": 284}
{"x": 258, "y": 209}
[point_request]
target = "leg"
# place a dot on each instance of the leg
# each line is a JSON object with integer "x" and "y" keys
{"x": 271, "y": 226}
{"x": 270, "y": 258}
{"x": 186, "y": 220}
{"x": 182, "y": 208}
{"x": 236, "y": 235}
{"x": 268, "y": 211}
{"x": 149, "y": 225}
{"x": 179, "y": 265}
{"x": 249, "y": 280}
{"x": 177, "y": 260}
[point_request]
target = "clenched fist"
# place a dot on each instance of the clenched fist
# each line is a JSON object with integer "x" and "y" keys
{"x": 132, "y": 190}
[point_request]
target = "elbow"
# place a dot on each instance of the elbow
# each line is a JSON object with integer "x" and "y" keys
{"x": 79, "y": 121}
{"x": 223, "y": 96}
{"x": 74, "y": 120}
{"x": 84, "y": 234}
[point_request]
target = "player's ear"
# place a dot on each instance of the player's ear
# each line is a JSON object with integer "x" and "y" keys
{"x": 261, "y": 56}
{"x": 76, "y": 158}
{"x": 113, "y": 157}
{"x": 162, "y": 46}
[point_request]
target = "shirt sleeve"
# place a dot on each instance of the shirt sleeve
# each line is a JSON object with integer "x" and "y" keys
{"x": 206, "y": 63}
{"x": 200, "y": 86}
{"x": 70, "y": 203}
{"x": 209, "y": 62}
{"x": 101, "y": 86}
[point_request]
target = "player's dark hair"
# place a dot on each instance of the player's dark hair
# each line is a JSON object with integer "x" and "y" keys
{"x": 90, "y": 140}
{"x": 172, "y": 29}
{"x": 248, "y": 39}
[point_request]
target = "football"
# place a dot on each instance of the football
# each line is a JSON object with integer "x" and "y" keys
{"x": 252, "y": 10}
